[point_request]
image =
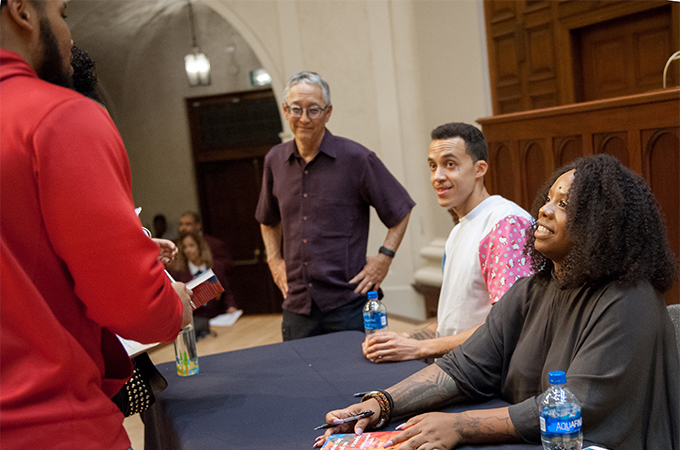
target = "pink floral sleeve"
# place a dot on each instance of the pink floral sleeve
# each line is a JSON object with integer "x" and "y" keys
{"x": 501, "y": 255}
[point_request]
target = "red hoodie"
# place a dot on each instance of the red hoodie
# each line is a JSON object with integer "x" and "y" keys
{"x": 75, "y": 268}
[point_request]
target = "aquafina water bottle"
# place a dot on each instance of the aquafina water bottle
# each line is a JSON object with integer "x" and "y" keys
{"x": 375, "y": 314}
{"x": 560, "y": 415}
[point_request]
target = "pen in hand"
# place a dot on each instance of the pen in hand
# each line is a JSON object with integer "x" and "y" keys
{"x": 361, "y": 415}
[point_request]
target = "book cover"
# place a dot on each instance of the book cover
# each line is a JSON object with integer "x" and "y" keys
{"x": 205, "y": 287}
{"x": 366, "y": 441}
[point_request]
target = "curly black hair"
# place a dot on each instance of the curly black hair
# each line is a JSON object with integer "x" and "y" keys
{"x": 84, "y": 77}
{"x": 615, "y": 226}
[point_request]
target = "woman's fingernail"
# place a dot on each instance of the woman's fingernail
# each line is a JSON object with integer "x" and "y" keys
{"x": 338, "y": 422}
{"x": 398, "y": 427}
{"x": 358, "y": 431}
{"x": 387, "y": 444}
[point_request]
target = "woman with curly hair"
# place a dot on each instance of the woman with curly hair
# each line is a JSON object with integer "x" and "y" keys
{"x": 593, "y": 309}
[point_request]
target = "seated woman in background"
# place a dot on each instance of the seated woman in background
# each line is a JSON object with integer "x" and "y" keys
{"x": 593, "y": 309}
{"x": 193, "y": 258}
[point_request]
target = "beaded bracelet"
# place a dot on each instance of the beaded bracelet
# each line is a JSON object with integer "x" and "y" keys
{"x": 384, "y": 399}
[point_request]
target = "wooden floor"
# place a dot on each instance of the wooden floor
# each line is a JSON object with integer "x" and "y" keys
{"x": 248, "y": 331}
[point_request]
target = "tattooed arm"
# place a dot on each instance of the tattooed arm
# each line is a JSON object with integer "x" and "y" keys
{"x": 427, "y": 390}
{"x": 432, "y": 388}
{"x": 428, "y": 332}
{"x": 419, "y": 344}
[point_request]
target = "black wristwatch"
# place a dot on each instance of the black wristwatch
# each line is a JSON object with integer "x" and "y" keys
{"x": 386, "y": 251}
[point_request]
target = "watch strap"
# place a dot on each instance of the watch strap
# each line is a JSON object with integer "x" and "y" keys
{"x": 386, "y": 251}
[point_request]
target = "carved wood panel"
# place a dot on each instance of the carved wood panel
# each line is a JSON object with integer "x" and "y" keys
{"x": 615, "y": 144}
{"x": 502, "y": 180}
{"x": 501, "y": 11}
{"x": 567, "y": 149}
{"x": 660, "y": 161}
{"x": 537, "y": 165}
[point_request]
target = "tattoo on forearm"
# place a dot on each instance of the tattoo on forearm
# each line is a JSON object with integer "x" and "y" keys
{"x": 443, "y": 352}
{"x": 426, "y": 390}
{"x": 492, "y": 428}
{"x": 422, "y": 334}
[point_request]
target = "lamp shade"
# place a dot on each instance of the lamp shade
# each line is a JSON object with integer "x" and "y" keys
{"x": 197, "y": 66}
{"x": 260, "y": 77}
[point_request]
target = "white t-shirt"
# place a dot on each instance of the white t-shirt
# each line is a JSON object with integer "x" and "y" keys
{"x": 484, "y": 257}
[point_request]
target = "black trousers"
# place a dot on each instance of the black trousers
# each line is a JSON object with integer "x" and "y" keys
{"x": 344, "y": 318}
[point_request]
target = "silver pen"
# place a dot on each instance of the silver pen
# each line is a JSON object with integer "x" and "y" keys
{"x": 361, "y": 415}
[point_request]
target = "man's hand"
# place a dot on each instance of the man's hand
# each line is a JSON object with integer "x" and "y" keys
{"x": 357, "y": 427}
{"x": 373, "y": 273}
{"x": 168, "y": 250}
{"x": 185, "y": 295}
{"x": 277, "y": 267}
{"x": 385, "y": 346}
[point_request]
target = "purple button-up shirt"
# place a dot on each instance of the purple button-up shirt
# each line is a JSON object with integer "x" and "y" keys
{"x": 323, "y": 207}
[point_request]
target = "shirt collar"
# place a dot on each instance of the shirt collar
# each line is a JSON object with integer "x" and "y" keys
{"x": 476, "y": 210}
{"x": 11, "y": 64}
{"x": 196, "y": 270}
{"x": 325, "y": 147}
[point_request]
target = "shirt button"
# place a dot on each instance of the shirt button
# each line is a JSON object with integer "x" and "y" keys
{"x": 306, "y": 263}
{"x": 310, "y": 285}
{"x": 304, "y": 240}
{"x": 306, "y": 172}
{"x": 304, "y": 195}
{"x": 304, "y": 218}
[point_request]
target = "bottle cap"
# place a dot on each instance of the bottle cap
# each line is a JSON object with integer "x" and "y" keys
{"x": 557, "y": 377}
{"x": 372, "y": 295}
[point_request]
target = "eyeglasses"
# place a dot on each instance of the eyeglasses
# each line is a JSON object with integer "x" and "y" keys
{"x": 313, "y": 112}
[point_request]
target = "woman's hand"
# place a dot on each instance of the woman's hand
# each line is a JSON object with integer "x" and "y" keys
{"x": 432, "y": 431}
{"x": 357, "y": 427}
{"x": 439, "y": 431}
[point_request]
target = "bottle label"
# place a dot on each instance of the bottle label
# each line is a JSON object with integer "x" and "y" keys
{"x": 375, "y": 320}
{"x": 568, "y": 424}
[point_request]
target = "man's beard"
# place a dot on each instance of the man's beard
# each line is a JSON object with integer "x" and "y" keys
{"x": 51, "y": 68}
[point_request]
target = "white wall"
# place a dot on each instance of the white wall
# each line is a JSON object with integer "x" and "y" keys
{"x": 396, "y": 68}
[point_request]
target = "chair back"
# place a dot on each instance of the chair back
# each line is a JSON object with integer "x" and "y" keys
{"x": 674, "y": 312}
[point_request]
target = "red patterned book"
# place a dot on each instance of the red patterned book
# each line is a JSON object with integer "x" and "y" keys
{"x": 366, "y": 441}
{"x": 205, "y": 287}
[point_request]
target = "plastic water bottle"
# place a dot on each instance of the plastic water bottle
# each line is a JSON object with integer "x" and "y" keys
{"x": 375, "y": 314}
{"x": 186, "y": 356}
{"x": 560, "y": 415}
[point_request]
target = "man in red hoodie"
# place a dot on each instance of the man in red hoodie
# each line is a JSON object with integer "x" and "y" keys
{"x": 76, "y": 266}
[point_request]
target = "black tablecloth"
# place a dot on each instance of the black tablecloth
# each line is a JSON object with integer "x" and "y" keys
{"x": 269, "y": 397}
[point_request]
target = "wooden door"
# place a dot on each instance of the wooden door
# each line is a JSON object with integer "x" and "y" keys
{"x": 230, "y": 135}
{"x": 546, "y": 53}
{"x": 625, "y": 56}
{"x": 523, "y": 55}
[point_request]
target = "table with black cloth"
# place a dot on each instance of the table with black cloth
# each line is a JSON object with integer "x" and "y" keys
{"x": 272, "y": 397}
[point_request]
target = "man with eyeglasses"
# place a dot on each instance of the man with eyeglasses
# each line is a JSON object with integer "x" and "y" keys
{"x": 314, "y": 208}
